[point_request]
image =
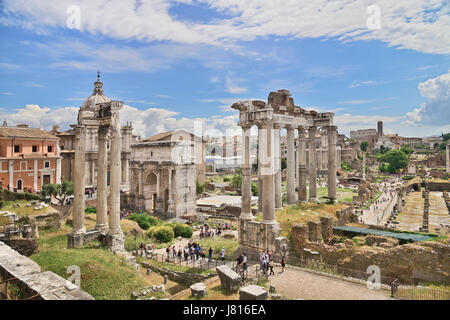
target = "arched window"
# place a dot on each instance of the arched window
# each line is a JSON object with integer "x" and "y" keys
{"x": 19, "y": 184}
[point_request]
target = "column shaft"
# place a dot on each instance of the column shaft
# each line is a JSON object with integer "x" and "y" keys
{"x": 332, "y": 179}
{"x": 312, "y": 164}
{"x": 290, "y": 171}
{"x": 79, "y": 180}
{"x": 277, "y": 166}
{"x": 302, "y": 165}
{"x": 102, "y": 168}
{"x": 115, "y": 177}
{"x": 259, "y": 156}
{"x": 246, "y": 191}
{"x": 267, "y": 174}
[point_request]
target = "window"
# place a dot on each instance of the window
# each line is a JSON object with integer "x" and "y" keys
{"x": 23, "y": 165}
{"x": 47, "y": 164}
{"x": 35, "y": 148}
{"x": 16, "y": 149}
{"x": 50, "y": 149}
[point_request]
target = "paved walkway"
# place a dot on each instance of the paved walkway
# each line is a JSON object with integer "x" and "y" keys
{"x": 297, "y": 284}
{"x": 375, "y": 214}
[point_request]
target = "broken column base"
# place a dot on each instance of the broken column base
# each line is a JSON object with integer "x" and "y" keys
{"x": 115, "y": 242}
{"x": 255, "y": 237}
{"x": 78, "y": 240}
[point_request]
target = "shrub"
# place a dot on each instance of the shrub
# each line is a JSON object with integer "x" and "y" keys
{"x": 144, "y": 220}
{"x": 89, "y": 210}
{"x": 2, "y": 203}
{"x": 161, "y": 233}
{"x": 226, "y": 179}
{"x": 20, "y": 196}
{"x": 182, "y": 230}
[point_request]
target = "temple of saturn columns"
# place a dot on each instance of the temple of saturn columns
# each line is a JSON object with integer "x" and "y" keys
{"x": 104, "y": 117}
{"x": 279, "y": 112}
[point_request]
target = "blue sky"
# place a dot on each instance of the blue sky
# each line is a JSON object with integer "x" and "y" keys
{"x": 173, "y": 62}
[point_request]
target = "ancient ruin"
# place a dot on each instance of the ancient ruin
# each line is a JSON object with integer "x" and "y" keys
{"x": 104, "y": 117}
{"x": 279, "y": 112}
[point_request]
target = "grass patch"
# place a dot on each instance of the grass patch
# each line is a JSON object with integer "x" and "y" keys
{"x": 103, "y": 275}
{"x": 23, "y": 210}
{"x": 230, "y": 245}
{"x": 181, "y": 268}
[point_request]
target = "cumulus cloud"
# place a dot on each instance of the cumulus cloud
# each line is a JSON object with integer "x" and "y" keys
{"x": 436, "y": 110}
{"x": 419, "y": 25}
{"x": 146, "y": 122}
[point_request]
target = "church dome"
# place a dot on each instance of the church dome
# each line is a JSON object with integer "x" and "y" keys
{"x": 96, "y": 97}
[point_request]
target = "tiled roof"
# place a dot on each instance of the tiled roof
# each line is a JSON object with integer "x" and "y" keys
{"x": 157, "y": 137}
{"x": 15, "y": 132}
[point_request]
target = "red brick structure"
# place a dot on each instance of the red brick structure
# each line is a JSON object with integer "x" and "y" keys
{"x": 29, "y": 158}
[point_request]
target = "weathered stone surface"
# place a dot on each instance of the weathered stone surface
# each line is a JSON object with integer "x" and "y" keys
{"x": 253, "y": 292}
{"x": 46, "y": 285}
{"x": 27, "y": 247}
{"x": 229, "y": 280}
{"x": 198, "y": 289}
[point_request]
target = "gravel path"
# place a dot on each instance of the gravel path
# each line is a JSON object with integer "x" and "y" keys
{"x": 297, "y": 284}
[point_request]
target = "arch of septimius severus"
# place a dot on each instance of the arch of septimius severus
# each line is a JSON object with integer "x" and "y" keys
{"x": 279, "y": 112}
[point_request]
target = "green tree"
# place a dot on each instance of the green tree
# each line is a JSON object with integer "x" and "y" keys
{"x": 59, "y": 191}
{"x": 255, "y": 189}
{"x": 236, "y": 182}
{"x": 396, "y": 160}
{"x": 364, "y": 146}
{"x": 200, "y": 188}
{"x": 283, "y": 164}
{"x": 406, "y": 149}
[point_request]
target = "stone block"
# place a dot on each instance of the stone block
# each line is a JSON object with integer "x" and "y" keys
{"x": 253, "y": 292}
{"x": 229, "y": 280}
{"x": 198, "y": 289}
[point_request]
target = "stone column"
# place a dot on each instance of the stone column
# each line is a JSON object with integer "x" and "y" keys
{"x": 332, "y": 179}
{"x": 92, "y": 172}
{"x": 78, "y": 181}
{"x": 260, "y": 181}
{"x": 312, "y": 164}
{"x": 447, "y": 158}
{"x": 102, "y": 169}
{"x": 290, "y": 171}
{"x": 115, "y": 232}
{"x": 246, "y": 192}
{"x": 277, "y": 166}
{"x": 302, "y": 165}
{"x": 127, "y": 171}
{"x": 267, "y": 173}
{"x": 58, "y": 171}
{"x": 170, "y": 203}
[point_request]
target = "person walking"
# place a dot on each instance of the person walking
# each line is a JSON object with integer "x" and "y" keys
{"x": 222, "y": 254}
{"x": 210, "y": 252}
{"x": 271, "y": 267}
{"x": 283, "y": 263}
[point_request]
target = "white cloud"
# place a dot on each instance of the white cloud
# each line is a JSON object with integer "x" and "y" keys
{"x": 435, "y": 111}
{"x": 362, "y": 83}
{"x": 146, "y": 122}
{"x": 421, "y": 25}
{"x": 232, "y": 88}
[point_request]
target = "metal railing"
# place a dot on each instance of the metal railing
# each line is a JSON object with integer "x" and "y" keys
{"x": 254, "y": 272}
{"x": 421, "y": 293}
